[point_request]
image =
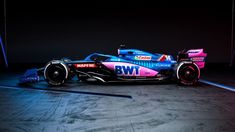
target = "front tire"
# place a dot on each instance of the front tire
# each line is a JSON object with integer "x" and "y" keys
{"x": 187, "y": 73}
{"x": 56, "y": 72}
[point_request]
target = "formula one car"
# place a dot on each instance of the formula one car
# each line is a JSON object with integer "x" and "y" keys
{"x": 129, "y": 65}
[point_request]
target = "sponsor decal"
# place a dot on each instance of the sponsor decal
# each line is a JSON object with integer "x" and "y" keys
{"x": 197, "y": 59}
{"x": 85, "y": 65}
{"x": 194, "y": 51}
{"x": 142, "y": 57}
{"x": 164, "y": 57}
{"x": 127, "y": 70}
{"x": 163, "y": 65}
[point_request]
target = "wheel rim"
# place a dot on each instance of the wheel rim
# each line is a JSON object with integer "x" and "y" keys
{"x": 188, "y": 74}
{"x": 55, "y": 74}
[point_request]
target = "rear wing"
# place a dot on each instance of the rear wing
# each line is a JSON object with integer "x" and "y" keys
{"x": 195, "y": 55}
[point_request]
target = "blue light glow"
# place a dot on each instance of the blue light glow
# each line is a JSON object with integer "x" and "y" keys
{"x": 3, "y": 51}
{"x": 218, "y": 85}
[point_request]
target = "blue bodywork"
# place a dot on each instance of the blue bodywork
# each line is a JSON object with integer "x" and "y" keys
{"x": 133, "y": 56}
{"x": 30, "y": 75}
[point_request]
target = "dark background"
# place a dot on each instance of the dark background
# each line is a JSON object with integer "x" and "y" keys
{"x": 40, "y": 30}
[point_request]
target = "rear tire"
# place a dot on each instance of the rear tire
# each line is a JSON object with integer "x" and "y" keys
{"x": 56, "y": 72}
{"x": 187, "y": 73}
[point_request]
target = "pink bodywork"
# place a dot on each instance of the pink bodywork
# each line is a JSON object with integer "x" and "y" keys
{"x": 197, "y": 56}
{"x": 143, "y": 71}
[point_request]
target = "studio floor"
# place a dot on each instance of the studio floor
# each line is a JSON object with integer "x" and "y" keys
{"x": 78, "y": 107}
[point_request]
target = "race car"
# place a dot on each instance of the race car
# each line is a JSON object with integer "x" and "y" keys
{"x": 128, "y": 66}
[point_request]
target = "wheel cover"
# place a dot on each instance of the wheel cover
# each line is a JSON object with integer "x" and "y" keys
{"x": 188, "y": 74}
{"x": 55, "y": 74}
